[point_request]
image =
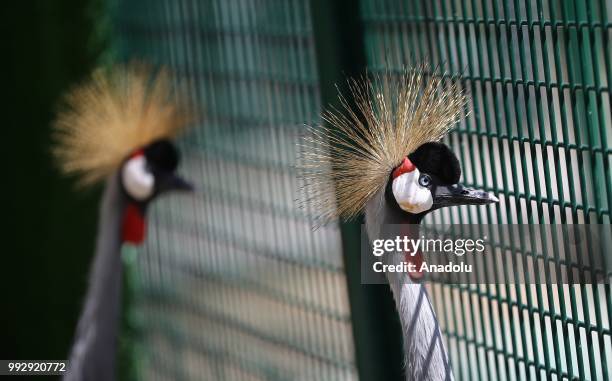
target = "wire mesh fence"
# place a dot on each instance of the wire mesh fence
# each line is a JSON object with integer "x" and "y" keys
{"x": 538, "y": 135}
{"x": 236, "y": 285}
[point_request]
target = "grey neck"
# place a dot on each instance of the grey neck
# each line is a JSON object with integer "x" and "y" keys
{"x": 93, "y": 353}
{"x": 425, "y": 354}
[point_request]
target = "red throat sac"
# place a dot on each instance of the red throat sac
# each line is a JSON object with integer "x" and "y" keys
{"x": 133, "y": 230}
{"x": 414, "y": 259}
{"x": 417, "y": 261}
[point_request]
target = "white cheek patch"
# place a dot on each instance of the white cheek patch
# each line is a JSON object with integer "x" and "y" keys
{"x": 410, "y": 195}
{"x": 137, "y": 180}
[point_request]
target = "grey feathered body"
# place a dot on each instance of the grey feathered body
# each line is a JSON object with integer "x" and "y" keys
{"x": 426, "y": 358}
{"x": 93, "y": 353}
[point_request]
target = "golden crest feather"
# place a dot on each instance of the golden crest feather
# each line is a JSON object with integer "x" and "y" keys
{"x": 345, "y": 163}
{"x": 114, "y": 113}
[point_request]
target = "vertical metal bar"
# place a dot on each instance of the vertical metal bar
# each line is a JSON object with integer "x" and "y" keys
{"x": 542, "y": 134}
{"x": 579, "y": 115}
{"x": 468, "y": 289}
{"x": 473, "y": 70}
{"x": 589, "y": 93}
{"x": 528, "y": 102}
{"x": 377, "y": 335}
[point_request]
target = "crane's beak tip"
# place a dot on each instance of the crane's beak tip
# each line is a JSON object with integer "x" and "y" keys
{"x": 460, "y": 195}
{"x": 177, "y": 183}
{"x": 187, "y": 187}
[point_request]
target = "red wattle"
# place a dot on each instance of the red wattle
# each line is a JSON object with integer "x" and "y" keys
{"x": 133, "y": 230}
{"x": 417, "y": 261}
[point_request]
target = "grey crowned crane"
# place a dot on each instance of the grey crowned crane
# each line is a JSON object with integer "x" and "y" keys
{"x": 385, "y": 160}
{"x": 116, "y": 128}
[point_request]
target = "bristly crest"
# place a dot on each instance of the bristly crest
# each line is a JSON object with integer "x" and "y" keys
{"x": 344, "y": 164}
{"x": 116, "y": 112}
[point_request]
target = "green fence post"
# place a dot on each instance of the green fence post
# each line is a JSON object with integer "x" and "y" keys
{"x": 376, "y": 328}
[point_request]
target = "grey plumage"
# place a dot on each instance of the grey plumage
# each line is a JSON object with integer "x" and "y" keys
{"x": 426, "y": 358}
{"x": 93, "y": 353}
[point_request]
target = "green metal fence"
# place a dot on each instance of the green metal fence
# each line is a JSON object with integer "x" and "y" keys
{"x": 539, "y": 135}
{"x": 236, "y": 285}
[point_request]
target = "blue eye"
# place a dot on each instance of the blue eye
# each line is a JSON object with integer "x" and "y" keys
{"x": 424, "y": 180}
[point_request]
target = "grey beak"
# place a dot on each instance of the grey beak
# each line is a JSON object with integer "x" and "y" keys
{"x": 173, "y": 182}
{"x": 450, "y": 195}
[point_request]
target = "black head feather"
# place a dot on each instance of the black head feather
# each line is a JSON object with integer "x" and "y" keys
{"x": 437, "y": 159}
{"x": 162, "y": 156}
